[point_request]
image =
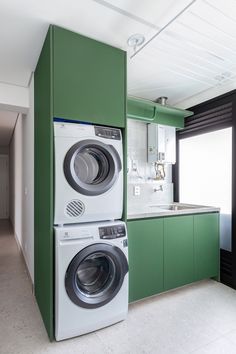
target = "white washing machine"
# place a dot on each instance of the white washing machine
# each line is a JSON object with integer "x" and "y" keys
{"x": 91, "y": 283}
{"x": 88, "y": 173}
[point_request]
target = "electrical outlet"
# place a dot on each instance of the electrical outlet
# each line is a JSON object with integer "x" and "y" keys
{"x": 134, "y": 165}
{"x": 136, "y": 190}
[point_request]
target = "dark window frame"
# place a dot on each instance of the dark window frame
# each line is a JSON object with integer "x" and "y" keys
{"x": 196, "y": 125}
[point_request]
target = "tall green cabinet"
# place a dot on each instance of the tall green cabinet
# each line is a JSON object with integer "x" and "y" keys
{"x": 78, "y": 79}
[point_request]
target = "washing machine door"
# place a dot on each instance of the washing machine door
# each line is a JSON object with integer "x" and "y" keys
{"x": 95, "y": 275}
{"x": 92, "y": 167}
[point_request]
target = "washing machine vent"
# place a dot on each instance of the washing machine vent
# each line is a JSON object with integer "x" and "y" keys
{"x": 75, "y": 208}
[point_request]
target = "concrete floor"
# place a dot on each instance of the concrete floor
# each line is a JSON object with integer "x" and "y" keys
{"x": 199, "y": 319}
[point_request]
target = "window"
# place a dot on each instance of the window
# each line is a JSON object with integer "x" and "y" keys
{"x": 205, "y": 175}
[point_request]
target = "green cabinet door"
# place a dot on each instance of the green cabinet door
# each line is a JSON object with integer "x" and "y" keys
{"x": 145, "y": 258}
{"x": 178, "y": 251}
{"x": 89, "y": 79}
{"x": 206, "y": 245}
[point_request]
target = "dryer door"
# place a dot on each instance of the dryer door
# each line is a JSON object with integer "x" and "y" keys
{"x": 95, "y": 275}
{"x": 92, "y": 167}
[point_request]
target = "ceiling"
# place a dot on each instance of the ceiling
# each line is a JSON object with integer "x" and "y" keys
{"x": 189, "y": 45}
{"x": 7, "y": 125}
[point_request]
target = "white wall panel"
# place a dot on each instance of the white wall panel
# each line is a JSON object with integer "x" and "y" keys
{"x": 16, "y": 180}
{"x": 22, "y": 183}
{"x": 28, "y": 184}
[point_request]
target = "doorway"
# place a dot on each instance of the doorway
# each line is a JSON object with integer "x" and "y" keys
{"x": 8, "y": 122}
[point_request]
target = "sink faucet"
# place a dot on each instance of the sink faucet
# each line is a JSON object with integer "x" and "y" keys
{"x": 160, "y": 189}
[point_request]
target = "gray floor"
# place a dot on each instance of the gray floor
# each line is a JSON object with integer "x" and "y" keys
{"x": 196, "y": 319}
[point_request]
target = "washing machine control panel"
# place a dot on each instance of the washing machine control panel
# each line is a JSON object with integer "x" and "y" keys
{"x": 111, "y": 232}
{"x": 108, "y": 133}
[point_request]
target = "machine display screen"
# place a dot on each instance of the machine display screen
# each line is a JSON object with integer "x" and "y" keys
{"x": 111, "y": 232}
{"x": 108, "y": 133}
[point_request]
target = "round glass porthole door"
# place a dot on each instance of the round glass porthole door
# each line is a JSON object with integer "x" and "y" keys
{"x": 95, "y": 275}
{"x": 92, "y": 167}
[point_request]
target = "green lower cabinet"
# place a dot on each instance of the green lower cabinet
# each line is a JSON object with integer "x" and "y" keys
{"x": 170, "y": 252}
{"x": 178, "y": 251}
{"x": 206, "y": 245}
{"x": 145, "y": 258}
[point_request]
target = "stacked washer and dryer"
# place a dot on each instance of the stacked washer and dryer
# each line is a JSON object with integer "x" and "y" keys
{"x": 91, "y": 248}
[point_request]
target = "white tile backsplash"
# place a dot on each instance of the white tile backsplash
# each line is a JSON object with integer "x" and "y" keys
{"x": 141, "y": 173}
{"x": 147, "y": 197}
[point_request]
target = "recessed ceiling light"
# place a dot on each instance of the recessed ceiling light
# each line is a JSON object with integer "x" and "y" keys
{"x": 136, "y": 40}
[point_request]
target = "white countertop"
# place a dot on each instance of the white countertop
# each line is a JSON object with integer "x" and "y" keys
{"x": 153, "y": 211}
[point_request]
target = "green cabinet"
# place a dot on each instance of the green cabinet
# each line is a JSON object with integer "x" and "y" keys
{"x": 166, "y": 253}
{"x": 145, "y": 239}
{"x": 206, "y": 245}
{"x": 76, "y": 78}
{"x": 178, "y": 251}
{"x": 89, "y": 79}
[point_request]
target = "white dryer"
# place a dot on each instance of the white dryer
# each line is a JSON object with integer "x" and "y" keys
{"x": 91, "y": 283}
{"x": 88, "y": 173}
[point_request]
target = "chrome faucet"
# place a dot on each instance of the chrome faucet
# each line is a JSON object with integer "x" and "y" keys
{"x": 160, "y": 189}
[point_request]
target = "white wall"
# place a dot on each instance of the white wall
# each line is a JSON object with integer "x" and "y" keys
{"x": 28, "y": 184}
{"x": 16, "y": 179}
{"x": 141, "y": 173}
{"x": 14, "y": 98}
{"x": 22, "y": 182}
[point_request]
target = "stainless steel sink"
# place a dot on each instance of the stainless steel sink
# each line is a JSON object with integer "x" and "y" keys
{"x": 178, "y": 207}
{"x": 174, "y": 207}
{"x": 158, "y": 210}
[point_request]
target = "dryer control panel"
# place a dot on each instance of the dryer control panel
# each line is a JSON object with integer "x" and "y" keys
{"x": 111, "y": 232}
{"x": 108, "y": 133}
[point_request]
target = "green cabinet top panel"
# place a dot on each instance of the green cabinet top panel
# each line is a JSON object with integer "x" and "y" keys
{"x": 89, "y": 79}
{"x": 152, "y": 112}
